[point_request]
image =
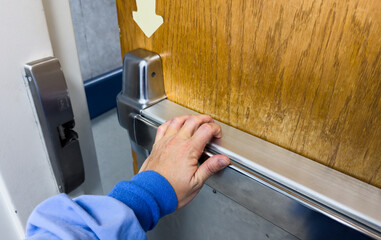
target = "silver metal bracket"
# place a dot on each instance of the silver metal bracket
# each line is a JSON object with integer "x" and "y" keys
{"x": 143, "y": 86}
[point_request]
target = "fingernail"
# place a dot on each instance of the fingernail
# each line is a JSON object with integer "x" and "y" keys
{"x": 223, "y": 162}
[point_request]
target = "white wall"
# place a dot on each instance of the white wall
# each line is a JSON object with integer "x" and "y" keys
{"x": 24, "y": 163}
{"x": 61, "y": 33}
{"x": 8, "y": 228}
{"x": 26, "y": 177}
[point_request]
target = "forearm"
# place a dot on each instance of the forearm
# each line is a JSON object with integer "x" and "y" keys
{"x": 130, "y": 209}
{"x": 149, "y": 195}
{"x": 86, "y": 217}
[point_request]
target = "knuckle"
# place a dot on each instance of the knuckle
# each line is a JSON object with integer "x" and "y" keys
{"x": 207, "y": 127}
{"x": 207, "y": 117}
{"x": 176, "y": 120}
{"x": 196, "y": 120}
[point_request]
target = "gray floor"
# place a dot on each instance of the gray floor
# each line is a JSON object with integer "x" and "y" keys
{"x": 113, "y": 150}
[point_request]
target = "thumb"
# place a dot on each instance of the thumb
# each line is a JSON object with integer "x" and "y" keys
{"x": 211, "y": 166}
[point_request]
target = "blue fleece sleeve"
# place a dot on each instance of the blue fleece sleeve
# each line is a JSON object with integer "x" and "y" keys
{"x": 129, "y": 210}
{"x": 86, "y": 217}
{"x": 149, "y": 194}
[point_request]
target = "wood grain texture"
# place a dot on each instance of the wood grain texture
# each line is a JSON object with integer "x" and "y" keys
{"x": 134, "y": 161}
{"x": 303, "y": 74}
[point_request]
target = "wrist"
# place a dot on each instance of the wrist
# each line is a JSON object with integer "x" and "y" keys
{"x": 149, "y": 195}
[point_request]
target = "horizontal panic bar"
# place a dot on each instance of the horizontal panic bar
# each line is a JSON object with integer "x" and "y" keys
{"x": 299, "y": 216}
{"x": 304, "y": 177}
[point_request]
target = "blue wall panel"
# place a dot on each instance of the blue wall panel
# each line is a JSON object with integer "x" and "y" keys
{"x": 102, "y": 90}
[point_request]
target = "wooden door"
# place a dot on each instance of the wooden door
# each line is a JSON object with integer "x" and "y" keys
{"x": 303, "y": 74}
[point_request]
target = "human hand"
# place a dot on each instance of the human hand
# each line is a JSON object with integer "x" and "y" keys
{"x": 178, "y": 145}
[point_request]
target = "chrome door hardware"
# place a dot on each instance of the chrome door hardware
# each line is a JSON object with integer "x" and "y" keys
{"x": 142, "y": 87}
{"x": 51, "y": 99}
{"x": 303, "y": 197}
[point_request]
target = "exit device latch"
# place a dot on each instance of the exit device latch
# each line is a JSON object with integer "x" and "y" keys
{"x": 53, "y": 106}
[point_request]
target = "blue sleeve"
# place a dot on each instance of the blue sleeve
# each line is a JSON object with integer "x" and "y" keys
{"x": 129, "y": 210}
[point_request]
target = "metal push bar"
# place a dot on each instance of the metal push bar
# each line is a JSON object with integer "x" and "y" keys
{"x": 301, "y": 196}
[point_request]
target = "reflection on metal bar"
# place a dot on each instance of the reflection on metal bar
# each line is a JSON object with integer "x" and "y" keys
{"x": 353, "y": 202}
{"x": 305, "y": 198}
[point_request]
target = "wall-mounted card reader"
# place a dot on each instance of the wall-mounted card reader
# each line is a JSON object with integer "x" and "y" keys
{"x": 51, "y": 99}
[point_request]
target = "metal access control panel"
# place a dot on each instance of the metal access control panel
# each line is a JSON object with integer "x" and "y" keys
{"x": 52, "y": 101}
